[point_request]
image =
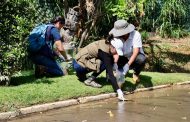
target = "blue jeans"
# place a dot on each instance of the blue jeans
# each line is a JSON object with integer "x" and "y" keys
{"x": 81, "y": 71}
{"x": 52, "y": 67}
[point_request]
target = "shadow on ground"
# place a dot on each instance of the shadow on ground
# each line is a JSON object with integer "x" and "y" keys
{"x": 128, "y": 85}
{"x": 144, "y": 83}
{"x": 29, "y": 79}
{"x": 163, "y": 57}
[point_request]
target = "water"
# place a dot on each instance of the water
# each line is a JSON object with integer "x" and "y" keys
{"x": 163, "y": 105}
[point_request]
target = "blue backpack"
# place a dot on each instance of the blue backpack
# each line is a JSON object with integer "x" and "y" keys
{"x": 38, "y": 37}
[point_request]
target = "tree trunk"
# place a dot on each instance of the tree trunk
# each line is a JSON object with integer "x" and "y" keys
{"x": 66, "y": 7}
{"x": 94, "y": 17}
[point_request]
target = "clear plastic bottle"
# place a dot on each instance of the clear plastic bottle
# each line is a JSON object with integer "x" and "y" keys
{"x": 120, "y": 78}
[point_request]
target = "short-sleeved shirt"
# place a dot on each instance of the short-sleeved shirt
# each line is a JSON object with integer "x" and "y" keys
{"x": 47, "y": 50}
{"x": 134, "y": 41}
{"x": 54, "y": 36}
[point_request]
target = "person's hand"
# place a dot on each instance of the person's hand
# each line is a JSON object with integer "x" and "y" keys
{"x": 125, "y": 69}
{"x": 120, "y": 95}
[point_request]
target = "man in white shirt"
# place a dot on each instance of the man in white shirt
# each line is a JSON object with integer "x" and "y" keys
{"x": 134, "y": 57}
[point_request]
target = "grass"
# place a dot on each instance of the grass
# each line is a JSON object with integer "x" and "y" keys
{"x": 25, "y": 90}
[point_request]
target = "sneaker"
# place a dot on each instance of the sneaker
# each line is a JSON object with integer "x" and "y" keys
{"x": 90, "y": 82}
{"x": 136, "y": 78}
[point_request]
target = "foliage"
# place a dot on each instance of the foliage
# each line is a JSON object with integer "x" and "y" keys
{"x": 105, "y": 20}
{"x": 111, "y": 10}
{"x": 123, "y": 9}
{"x": 144, "y": 35}
{"x": 168, "y": 18}
{"x": 15, "y": 26}
{"x": 18, "y": 17}
{"x": 152, "y": 9}
{"x": 131, "y": 10}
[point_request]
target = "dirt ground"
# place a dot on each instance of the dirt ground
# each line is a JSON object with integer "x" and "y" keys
{"x": 181, "y": 45}
{"x": 167, "y": 55}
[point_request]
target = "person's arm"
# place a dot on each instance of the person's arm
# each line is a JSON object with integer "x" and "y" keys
{"x": 134, "y": 55}
{"x": 116, "y": 58}
{"x": 58, "y": 43}
{"x": 60, "y": 48}
{"x": 108, "y": 61}
{"x": 137, "y": 44}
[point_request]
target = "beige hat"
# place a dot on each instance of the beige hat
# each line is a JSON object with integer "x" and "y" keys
{"x": 121, "y": 27}
{"x": 118, "y": 45}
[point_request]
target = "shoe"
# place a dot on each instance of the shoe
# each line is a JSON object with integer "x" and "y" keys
{"x": 90, "y": 82}
{"x": 39, "y": 71}
{"x": 121, "y": 98}
{"x": 136, "y": 78}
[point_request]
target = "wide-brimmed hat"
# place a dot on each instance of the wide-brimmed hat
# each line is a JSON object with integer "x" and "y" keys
{"x": 118, "y": 45}
{"x": 121, "y": 27}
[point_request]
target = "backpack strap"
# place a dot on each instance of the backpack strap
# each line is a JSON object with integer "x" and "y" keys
{"x": 48, "y": 32}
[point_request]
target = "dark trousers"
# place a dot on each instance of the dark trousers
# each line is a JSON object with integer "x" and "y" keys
{"x": 137, "y": 65}
{"x": 81, "y": 71}
{"x": 52, "y": 67}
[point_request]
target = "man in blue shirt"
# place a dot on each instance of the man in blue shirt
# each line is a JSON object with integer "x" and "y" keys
{"x": 44, "y": 59}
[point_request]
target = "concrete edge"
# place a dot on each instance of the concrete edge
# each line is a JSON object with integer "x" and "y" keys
{"x": 37, "y": 108}
{"x": 54, "y": 105}
{"x": 95, "y": 98}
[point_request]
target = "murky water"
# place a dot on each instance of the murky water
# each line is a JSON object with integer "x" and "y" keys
{"x": 164, "y": 105}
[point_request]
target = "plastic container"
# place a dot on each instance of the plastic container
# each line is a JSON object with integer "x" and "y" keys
{"x": 120, "y": 77}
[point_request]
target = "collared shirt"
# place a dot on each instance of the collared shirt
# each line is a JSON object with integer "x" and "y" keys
{"x": 134, "y": 41}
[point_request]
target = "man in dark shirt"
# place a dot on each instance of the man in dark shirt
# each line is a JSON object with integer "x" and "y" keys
{"x": 45, "y": 57}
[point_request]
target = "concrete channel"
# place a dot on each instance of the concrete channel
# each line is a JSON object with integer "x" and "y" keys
{"x": 170, "y": 104}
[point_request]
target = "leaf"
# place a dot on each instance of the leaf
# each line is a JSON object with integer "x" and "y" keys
{"x": 110, "y": 113}
{"x": 184, "y": 118}
{"x": 154, "y": 108}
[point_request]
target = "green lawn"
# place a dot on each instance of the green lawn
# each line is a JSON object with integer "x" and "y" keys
{"x": 25, "y": 90}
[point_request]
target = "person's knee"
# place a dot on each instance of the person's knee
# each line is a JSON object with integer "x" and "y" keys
{"x": 61, "y": 73}
{"x": 75, "y": 65}
{"x": 141, "y": 59}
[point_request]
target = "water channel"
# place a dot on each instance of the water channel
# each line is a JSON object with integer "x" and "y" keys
{"x": 162, "y": 105}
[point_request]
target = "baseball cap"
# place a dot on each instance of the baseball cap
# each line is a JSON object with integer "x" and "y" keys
{"x": 118, "y": 45}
